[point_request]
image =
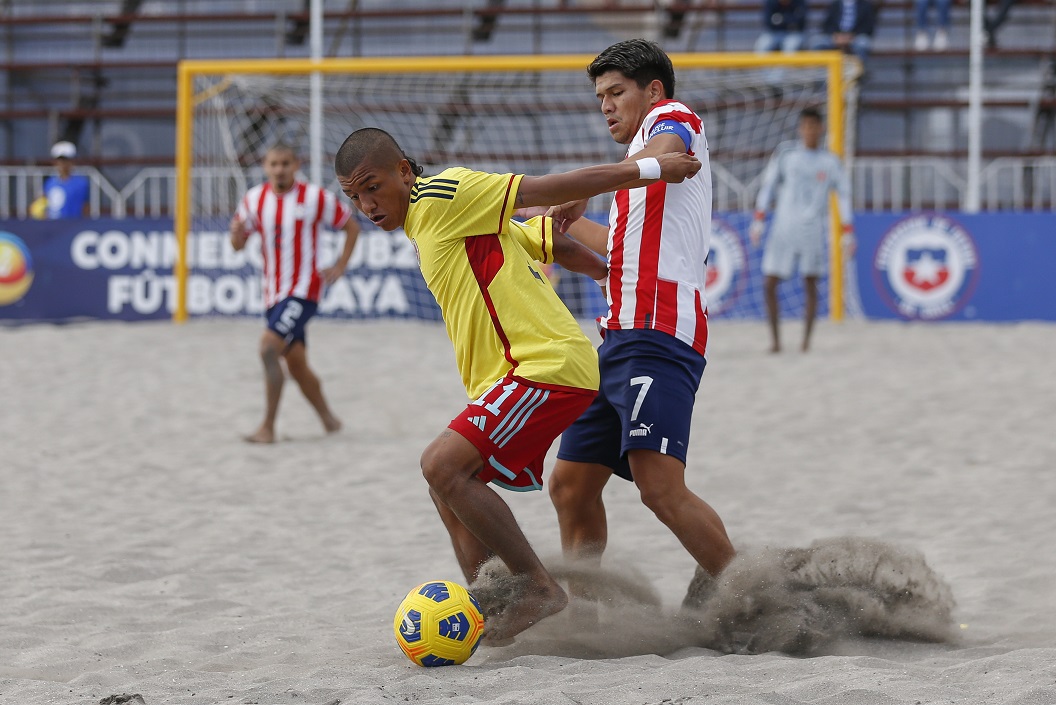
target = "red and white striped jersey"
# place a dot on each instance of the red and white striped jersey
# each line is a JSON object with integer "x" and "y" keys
{"x": 289, "y": 232}
{"x": 659, "y": 237}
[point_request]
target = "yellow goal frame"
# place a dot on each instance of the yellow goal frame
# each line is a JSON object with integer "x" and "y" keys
{"x": 186, "y": 101}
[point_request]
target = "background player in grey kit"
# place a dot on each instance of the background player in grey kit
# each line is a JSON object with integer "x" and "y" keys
{"x": 800, "y": 177}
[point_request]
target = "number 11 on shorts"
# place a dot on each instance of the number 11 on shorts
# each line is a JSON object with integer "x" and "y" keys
{"x": 494, "y": 406}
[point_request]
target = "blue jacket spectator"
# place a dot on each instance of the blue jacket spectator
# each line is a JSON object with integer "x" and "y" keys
{"x": 67, "y": 193}
{"x": 784, "y": 22}
{"x": 848, "y": 26}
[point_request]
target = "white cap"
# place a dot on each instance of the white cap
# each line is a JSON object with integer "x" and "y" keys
{"x": 63, "y": 150}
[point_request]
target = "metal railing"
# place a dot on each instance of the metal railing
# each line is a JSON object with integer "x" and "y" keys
{"x": 1019, "y": 184}
{"x": 152, "y": 192}
{"x": 879, "y": 184}
{"x": 729, "y": 193}
{"x": 21, "y": 185}
{"x": 934, "y": 183}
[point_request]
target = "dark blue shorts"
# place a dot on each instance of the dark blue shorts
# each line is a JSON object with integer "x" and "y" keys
{"x": 649, "y": 381}
{"x": 288, "y": 318}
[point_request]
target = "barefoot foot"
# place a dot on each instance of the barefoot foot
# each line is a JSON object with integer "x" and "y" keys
{"x": 530, "y": 607}
{"x": 261, "y": 435}
{"x": 332, "y": 424}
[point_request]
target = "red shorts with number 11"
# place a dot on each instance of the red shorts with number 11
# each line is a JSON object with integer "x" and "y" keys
{"x": 514, "y": 423}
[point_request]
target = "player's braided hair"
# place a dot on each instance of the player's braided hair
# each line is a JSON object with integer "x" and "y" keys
{"x": 639, "y": 60}
{"x": 369, "y": 142}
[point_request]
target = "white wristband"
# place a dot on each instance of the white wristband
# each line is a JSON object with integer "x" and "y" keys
{"x": 648, "y": 168}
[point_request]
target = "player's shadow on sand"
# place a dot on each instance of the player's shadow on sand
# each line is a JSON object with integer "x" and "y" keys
{"x": 799, "y": 601}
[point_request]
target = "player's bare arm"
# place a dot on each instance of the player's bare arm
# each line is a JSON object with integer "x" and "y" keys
{"x": 576, "y": 257}
{"x": 593, "y": 235}
{"x": 238, "y": 233}
{"x": 567, "y": 213}
{"x": 593, "y": 180}
{"x": 660, "y": 145}
{"x": 567, "y": 218}
{"x": 331, "y": 274}
{"x": 588, "y": 232}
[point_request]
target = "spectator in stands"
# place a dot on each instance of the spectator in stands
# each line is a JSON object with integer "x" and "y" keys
{"x": 941, "y": 39}
{"x": 784, "y": 22}
{"x": 848, "y": 26}
{"x": 992, "y": 24}
{"x": 67, "y": 193}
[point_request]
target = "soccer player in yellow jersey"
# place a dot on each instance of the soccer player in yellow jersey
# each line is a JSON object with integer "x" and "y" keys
{"x": 524, "y": 360}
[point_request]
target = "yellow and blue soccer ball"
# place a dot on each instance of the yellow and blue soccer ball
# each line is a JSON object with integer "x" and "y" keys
{"x": 438, "y": 624}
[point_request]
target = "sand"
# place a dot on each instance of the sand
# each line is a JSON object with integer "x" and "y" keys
{"x": 146, "y": 549}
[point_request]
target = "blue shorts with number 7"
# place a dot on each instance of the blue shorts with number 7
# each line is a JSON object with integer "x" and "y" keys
{"x": 649, "y": 381}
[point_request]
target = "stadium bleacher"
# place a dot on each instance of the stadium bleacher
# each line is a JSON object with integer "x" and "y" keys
{"x": 102, "y": 74}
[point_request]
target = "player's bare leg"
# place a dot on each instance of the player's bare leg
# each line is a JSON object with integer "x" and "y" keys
{"x": 576, "y": 491}
{"x": 450, "y": 465}
{"x": 810, "y": 310}
{"x": 772, "y": 312}
{"x": 661, "y": 480}
{"x": 470, "y": 552}
{"x": 297, "y": 362}
{"x": 271, "y": 348}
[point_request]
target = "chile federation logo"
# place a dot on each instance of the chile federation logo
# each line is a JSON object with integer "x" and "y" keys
{"x": 726, "y": 267}
{"x": 926, "y": 267}
{"x": 16, "y": 269}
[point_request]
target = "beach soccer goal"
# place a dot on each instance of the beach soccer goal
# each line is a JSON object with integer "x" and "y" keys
{"x": 523, "y": 114}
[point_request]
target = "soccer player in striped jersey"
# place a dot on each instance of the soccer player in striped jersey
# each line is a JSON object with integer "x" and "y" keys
{"x": 656, "y": 329}
{"x": 289, "y": 213}
{"x": 799, "y": 177}
{"x": 525, "y": 363}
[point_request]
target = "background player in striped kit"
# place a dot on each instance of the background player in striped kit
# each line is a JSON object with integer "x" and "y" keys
{"x": 800, "y": 176}
{"x": 288, "y": 213}
{"x": 656, "y": 329}
{"x": 523, "y": 358}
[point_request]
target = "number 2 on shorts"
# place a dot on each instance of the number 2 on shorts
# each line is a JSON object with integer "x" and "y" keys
{"x": 646, "y": 382}
{"x": 289, "y": 316}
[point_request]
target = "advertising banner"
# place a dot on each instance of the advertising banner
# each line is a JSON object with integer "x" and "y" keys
{"x": 990, "y": 267}
{"x": 122, "y": 269}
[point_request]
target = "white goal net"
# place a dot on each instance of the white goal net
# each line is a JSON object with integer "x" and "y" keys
{"x": 532, "y": 115}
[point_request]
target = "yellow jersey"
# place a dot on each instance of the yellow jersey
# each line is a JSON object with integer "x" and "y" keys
{"x": 502, "y": 314}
